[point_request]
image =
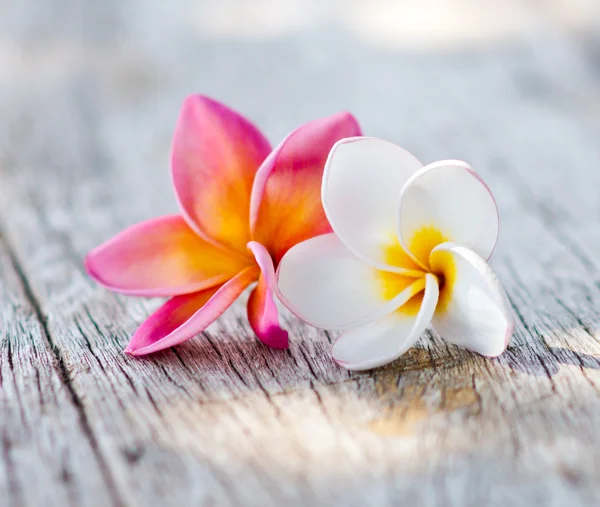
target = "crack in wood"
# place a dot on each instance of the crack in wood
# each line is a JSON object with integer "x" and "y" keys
{"x": 65, "y": 377}
{"x": 308, "y": 362}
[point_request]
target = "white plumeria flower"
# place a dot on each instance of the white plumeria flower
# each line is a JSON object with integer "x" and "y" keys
{"x": 409, "y": 248}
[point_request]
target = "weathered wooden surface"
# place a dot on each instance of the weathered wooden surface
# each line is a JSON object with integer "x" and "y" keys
{"x": 89, "y": 93}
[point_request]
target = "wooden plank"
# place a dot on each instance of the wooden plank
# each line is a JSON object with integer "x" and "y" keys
{"x": 45, "y": 433}
{"x": 86, "y": 124}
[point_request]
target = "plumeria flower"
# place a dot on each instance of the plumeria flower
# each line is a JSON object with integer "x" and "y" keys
{"x": 242, "y": 205}
{"x": 409, "y": 248}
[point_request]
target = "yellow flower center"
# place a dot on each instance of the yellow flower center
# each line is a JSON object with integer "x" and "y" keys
{"x": 443, "y": 266}
{"x": 424, "y": 241}
{"x": 440, "y": 264}
{"x": 395, "y": 255}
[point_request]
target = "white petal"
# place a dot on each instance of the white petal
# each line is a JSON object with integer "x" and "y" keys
{"x": 383, "y": 341}
{"x": 473, "y": 311}
{"x": 447, "y": 201}
{"x": 326, "y": 285}
{"x": 362, "y": 182}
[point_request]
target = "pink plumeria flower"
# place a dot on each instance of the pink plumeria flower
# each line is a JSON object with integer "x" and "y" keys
{"x": 243, "y": 206}
{"x": 409, "y": 248}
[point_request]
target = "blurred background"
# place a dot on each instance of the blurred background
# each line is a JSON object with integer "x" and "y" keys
{"x": 501, "y": 84}
{"x": 419, "y": 72}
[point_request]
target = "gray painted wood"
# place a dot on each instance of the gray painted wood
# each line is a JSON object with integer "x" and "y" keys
{"x": 46, "y": 437}
{"x": 89, "y": 93}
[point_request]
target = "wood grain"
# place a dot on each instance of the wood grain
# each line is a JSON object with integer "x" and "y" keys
{"x": 89, "y": 94}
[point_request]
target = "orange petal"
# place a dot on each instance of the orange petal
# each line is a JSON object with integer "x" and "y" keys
{"x": 160, "y": 257}
{"x": 183, "y": 317}
{"x": 216, "y": 153}
{"x": 286, "y": 198}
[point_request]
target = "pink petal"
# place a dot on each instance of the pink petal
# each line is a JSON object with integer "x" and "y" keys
{"x": 160, "y": 257}
{"x": 286, "y": 198}
{"x": 216, "y": 153}
{"x": 262, "y": 312}
{"x": 183, "y": 317}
